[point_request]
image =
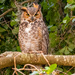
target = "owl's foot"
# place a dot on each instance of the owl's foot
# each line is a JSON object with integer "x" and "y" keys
{"x": 37, "y": 52}
{"x": 26, "y": 52}
{"x": 42, "y": 55}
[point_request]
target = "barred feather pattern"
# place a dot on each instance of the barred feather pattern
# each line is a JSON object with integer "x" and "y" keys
{"x": 33, "y": 36}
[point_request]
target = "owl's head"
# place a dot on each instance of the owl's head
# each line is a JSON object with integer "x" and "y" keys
{"x": 32, "y": 13}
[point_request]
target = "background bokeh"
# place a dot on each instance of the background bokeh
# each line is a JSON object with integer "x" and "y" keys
{"x": 59, "y": 16}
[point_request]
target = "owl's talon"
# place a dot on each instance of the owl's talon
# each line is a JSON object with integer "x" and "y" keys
{"x": 36, "y": 52}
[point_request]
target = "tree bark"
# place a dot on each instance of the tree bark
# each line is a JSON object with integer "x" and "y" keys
{"x": 7, "y": 59}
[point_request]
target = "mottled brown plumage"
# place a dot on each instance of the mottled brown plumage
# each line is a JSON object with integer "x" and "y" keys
{"x": 33, "y": 33}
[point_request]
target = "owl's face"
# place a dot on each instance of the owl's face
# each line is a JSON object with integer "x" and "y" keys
{"x": 32, "y": 13}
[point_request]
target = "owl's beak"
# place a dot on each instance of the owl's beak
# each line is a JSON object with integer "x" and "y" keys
{"x": 32, "y": 18}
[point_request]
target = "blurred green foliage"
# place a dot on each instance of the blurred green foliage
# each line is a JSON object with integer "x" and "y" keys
{"x": 59, "y": 16}
{"x": 48, "y": 70}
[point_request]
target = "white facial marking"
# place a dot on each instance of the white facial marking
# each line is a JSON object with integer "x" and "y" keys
{"x": 28, "y": 28}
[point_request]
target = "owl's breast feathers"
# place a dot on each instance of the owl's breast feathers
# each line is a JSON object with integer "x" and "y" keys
{"x": 33, "y": 36}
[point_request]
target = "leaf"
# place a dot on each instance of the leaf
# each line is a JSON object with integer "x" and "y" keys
{"x": 18, "y": 48}
{"x": 53, "y": 39}
{"x": 2, "y": 1}
{"x": 59, "y": 68}
{"x": 51, "y": 68}
{"x": 73, "y": 20}
{"x": 62, "y": 50}
{"x": 46, "y": 67}
{"x": 70, "y": 6}
{"x": 12, "y": 4}
{"x": 66, "y": 19}
{"x": 66, "y": 51}
{"x": 70, "y": 1}
{"x": 13, "y": 14}
{"x": 6, "y": 26}
{"x": 47, "y": 16}
{"x": 15, "y": 30}
{"x": 34, "y": 73}
{"x": 2, "y": 29}
{"x": 7, "y": 72}
{"x": 69, "y": 73}
{"x": 45, "y": 5}
{"x": 53, "y": 28}
{"x": 53, "y": 1}
{"x": 18, "y": 66}
{"x": 13, "y": 22}
{"x": 70, "y": 49}
{"x": 71, "y": 45}
{"x": 52, "y": 16}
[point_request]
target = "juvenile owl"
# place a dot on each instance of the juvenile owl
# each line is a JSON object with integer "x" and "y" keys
{"x": 33, "y": 33}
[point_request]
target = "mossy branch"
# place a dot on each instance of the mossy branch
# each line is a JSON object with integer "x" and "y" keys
{"x": 7, "y": 59}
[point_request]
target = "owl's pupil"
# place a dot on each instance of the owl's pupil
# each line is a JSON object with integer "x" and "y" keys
{"x": 36, "y": 14}
{"x": 27, "y": 14}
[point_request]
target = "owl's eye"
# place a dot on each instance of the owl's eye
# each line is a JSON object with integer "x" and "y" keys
{"x": 27, "y": 14}
{"x": 36, "y": 14}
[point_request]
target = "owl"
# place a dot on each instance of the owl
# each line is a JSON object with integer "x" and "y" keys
{"x": 33, "y": 33}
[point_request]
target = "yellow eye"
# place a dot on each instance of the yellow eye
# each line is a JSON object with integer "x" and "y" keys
{"x": 36, "y": 14}
{"x": 27, "y": 14}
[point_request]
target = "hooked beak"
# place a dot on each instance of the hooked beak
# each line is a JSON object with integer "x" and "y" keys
{"x": 32, "y": 18}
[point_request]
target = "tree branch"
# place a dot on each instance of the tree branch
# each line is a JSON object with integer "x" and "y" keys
{"x": 12, "y": 8}
{"x": 6, "y": 12}
{"x": 7, "y": 59}
{"x": 27, "y": 1}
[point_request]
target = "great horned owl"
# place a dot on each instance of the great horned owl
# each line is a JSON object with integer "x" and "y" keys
{"x": 33, "y": 33}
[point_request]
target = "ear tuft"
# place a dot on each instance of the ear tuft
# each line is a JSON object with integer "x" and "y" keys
{"x": 39, "y": 7}
{"x": 35, "y": 5}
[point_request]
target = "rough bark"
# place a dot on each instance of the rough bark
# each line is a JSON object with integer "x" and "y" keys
{"x": 7, "y": 59}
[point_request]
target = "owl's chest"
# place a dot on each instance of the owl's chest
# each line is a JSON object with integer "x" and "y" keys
{"x": 30, "y": 31}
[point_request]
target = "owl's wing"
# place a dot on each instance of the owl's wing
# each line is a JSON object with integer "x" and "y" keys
{"x": 45, "y": 40}
{"x": 22, "y": 36}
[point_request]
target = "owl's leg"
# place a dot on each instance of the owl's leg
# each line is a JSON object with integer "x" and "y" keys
{"x": 42, "y": 55}
{"x": 41, "y": 66}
